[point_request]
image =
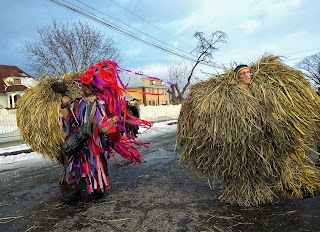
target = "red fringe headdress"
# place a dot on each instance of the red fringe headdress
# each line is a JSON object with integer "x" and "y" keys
{"x": 104, "y": 80}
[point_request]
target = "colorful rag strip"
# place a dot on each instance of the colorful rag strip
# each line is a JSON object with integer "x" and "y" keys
{"x": 140, "y": 74}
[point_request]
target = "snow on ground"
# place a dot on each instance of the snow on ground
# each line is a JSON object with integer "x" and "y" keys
{"x": 144, "y": 134}
{"x": 21, "y": 160}
{"x": 159, "y": 127}
{"x": 14, "y": 148}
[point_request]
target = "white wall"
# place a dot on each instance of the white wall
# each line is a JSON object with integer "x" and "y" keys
{"x": 159, "y": 113}
{"x": 8, "y": 122}
{"x": 4, "y": 100}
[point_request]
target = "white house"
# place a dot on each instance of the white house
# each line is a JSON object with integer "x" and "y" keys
{"x": 13, "y": 83}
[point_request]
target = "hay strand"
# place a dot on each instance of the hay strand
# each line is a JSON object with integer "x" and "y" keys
{"x": 253, "y": 137}
{"x": 38, "y": 116}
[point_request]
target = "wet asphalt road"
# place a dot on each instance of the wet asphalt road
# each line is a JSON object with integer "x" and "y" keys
{"x": 158, "y": 195}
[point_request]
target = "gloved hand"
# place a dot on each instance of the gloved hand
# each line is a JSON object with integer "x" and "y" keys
{"x": 109, "y": 125}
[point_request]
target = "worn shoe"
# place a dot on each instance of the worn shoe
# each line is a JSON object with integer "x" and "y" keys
{"x": 73, "y": 197}
{"x": 95, "y": 196}
{"x": 82, "y": 188}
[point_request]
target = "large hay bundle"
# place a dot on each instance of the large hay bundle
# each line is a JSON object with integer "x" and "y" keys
{"x": 253, "y": 138}
{"x": 38, "y": 114}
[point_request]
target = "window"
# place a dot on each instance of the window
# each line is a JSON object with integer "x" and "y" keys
{"x": 17, "y": 81}
{"x": 149, "y": 103}
{"x": 153, "y": 103}
{"x": 152, "y": 82}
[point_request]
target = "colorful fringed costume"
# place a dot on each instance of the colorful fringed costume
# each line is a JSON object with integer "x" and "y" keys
{"x": 91, "y": 162}
{"x": 39, "y": 109}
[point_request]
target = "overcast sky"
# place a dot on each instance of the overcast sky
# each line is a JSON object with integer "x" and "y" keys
{"x": 253, "y": 27}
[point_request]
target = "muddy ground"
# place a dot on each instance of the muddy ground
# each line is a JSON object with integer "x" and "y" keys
{"x": 158, "y": 195}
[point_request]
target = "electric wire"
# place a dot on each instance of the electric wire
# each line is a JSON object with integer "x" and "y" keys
{"x": 118, "y": 29}
{"x": 127, "y": 33}
{"x": 128, "y": 25}
{"x": 308, "y": 50}
{"x": 151, "y": 24}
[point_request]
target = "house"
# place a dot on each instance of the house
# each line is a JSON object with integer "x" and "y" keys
{"x": 149, "y": 91}
{"x": 13, "y": 83}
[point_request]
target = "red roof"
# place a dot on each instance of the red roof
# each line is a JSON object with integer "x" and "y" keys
{"x": 15, "y": 88}
{"x": 11, "y": 71}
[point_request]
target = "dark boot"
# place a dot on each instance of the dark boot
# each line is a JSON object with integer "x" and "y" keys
{"x": 82, "y": 188}
{"x": 73, "y": 197}
{"x": 95, "y": 196}
{"x": 80, "y": 193}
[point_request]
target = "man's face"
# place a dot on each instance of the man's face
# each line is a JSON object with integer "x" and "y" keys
{"x": 133, "y": 103}
{"x": 87, "y": 92}
{"x": 245, "y": 76}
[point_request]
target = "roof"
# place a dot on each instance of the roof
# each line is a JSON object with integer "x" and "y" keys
{"x": 12, "y": 88}
{"x": 136, "y": 81}
{"x": 11, "y": 71}
{"x": 6, "y": 89}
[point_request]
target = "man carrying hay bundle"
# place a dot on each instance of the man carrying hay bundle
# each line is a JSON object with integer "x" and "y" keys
{"x": 250, "y": 128}
{"x": 92, "y": 126}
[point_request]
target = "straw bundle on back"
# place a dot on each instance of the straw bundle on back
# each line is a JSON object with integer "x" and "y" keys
{"x": 38, "y": 115}
{"x": 253, "y": 137}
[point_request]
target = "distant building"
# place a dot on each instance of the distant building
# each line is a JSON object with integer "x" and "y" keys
{"x": 13, "y": 83}
{"x": 148, "y": 91}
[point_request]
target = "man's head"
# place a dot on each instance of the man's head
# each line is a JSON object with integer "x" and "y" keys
{"x": 87, "y": 90}
{"x": 102, "y": 79}
{"x": 243, "y": 72}
{"x": 134, "y": 101}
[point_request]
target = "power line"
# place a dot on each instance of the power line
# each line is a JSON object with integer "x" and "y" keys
{"x": 119, "y": 29}
{"x": 100, "y": 20}
{"x": 127, "y": 25}
{"x": 150, "y": 23}
{"x": 288, "y": 59}
{"x": 298, "y": 58}
{"x": 308, "y": 50}
{"x": 313, "y": 49}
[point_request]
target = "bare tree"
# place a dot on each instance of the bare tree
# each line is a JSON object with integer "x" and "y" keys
{"x": 204, "y": 55}
{"x": 67, "y": 47}
{"x": 178, "y": 74}
{"x": 311, "y": 67}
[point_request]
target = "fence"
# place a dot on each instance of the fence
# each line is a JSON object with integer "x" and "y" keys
{"x": 159, "y": 113}
{"x": 8, "y": 122}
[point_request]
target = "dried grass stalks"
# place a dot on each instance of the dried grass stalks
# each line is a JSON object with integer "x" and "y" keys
{"x": 38, "y": 114}
{"x": 253, "y": 137}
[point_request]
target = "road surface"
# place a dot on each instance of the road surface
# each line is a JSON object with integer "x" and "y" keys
{"x": 158, "y": 195}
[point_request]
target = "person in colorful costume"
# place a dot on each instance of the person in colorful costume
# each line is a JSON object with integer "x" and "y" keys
{"x": 87, "y": 169}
